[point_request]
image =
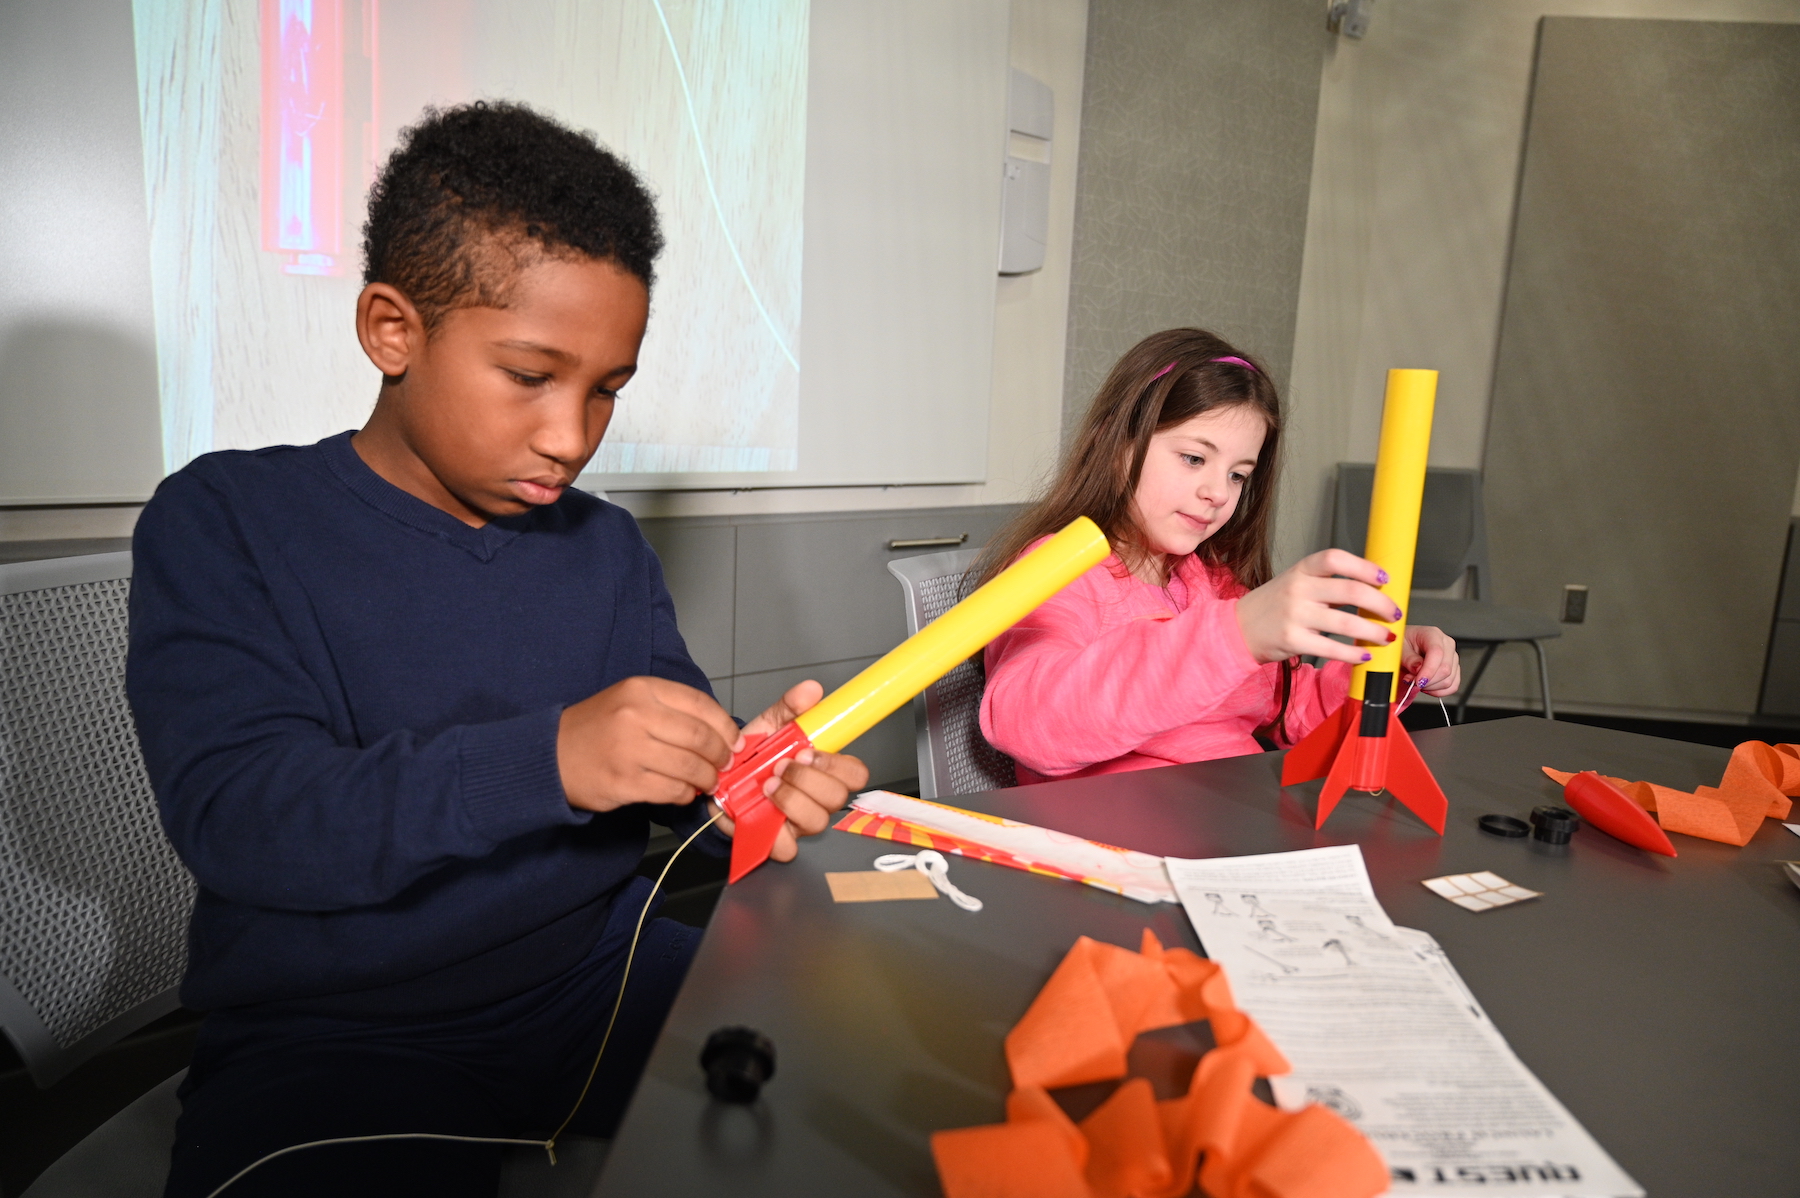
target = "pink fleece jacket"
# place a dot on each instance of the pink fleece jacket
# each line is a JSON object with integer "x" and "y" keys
{"x": 1113, "y": 674}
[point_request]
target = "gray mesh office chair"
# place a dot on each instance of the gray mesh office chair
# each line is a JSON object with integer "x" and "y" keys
{"x": 1452, "y": 542}
{"x": 954, "y": 758}
{"x": 93, "y": 902}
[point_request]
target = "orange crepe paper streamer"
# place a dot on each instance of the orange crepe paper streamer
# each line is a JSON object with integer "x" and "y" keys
{"x": 1079, "y": 1029}
{"x": 1759, "y": 783}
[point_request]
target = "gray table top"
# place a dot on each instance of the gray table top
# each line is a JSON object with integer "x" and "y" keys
{"x": 1651, "y": 995}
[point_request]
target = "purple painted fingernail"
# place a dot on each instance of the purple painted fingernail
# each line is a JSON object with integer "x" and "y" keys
{"x": 1366, "y": 657}
{"x": 1381, "y": 576}
{"x": 1398, "y": 614}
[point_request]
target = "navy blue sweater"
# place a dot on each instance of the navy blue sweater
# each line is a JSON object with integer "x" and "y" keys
{"x": 348, "y": 702}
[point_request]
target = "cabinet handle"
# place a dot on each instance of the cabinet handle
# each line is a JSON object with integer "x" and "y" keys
{"x": 928, "y": 542}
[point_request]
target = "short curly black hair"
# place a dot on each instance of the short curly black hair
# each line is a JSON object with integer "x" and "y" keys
{"x": 476, "y": 191}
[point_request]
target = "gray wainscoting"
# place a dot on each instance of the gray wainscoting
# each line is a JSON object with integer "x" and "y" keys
{"x": 767, "y": 601}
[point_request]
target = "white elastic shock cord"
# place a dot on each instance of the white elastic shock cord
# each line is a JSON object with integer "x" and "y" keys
{"x": 931, "y": 863}
{"x": 549, "y": 1145}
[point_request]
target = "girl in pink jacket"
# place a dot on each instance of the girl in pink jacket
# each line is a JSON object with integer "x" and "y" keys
{"x": 1184, "y": 645}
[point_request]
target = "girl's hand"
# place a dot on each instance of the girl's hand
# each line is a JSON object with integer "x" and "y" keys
{"x": 1431, "y": 655}
{"x": 1290, "y": 615}
{"x": 810, "y": 786}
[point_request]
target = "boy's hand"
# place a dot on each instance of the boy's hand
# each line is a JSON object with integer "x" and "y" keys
{"x": 1290, "y": 615}
{"x": 643, "y": 740}
{"x": 809, "y": 786}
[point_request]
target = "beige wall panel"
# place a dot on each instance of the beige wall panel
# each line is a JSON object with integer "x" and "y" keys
{"x": 1645, "y": 426}
{"x": 1415, "y": 172}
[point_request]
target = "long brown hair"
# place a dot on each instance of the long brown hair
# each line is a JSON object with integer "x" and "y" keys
{"x": 1164, "y": 380}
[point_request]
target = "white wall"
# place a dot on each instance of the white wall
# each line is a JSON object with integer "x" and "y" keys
{"x": 1415, "y": 169}
{"x": 1049, "y": 40}
{"x": 77, "y": 341}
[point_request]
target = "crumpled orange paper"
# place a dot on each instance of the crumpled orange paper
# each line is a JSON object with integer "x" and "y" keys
{"x": 1079, "y": 1029}
{"x": 1759, "y": 780}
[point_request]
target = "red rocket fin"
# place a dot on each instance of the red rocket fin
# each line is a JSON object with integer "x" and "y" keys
{"x": 1343, "y": 766}
{"x": 753, "y": 836}
{"x": 1410, "y": 780}
{"x": 1312, "y": 757}
{"x": 1332, "y": 750}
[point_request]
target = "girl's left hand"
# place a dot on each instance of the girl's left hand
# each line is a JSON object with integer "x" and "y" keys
{"x": 1431, "y": 655}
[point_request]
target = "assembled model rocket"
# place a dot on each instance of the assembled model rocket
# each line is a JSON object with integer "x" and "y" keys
{"x": 1362, "y": 745}
{"x": 878, "y": 691}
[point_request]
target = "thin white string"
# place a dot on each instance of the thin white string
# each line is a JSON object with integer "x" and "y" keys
{"x": 549, "y": 1145}
{"x": 398, "y": 1135}
{"x": 931, "y": 863}
{"x": 1439, "y": 698}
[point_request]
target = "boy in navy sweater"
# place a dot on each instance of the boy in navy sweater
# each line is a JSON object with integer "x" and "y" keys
{"x": 410, "y": 702}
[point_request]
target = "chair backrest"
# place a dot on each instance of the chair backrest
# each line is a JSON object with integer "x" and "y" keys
{"x": 1452, "y": 525}
{"x": 954, "y": 758}
{"x": 94, "y": 903}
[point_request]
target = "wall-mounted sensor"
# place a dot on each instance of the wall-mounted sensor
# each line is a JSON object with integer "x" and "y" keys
{"x": 1348, "y": 17}
{"x": 1025, "y": 192}
{"x": 1574, "y": 609}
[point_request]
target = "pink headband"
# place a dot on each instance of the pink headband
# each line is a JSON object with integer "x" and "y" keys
{"x": 1171, "y": 366}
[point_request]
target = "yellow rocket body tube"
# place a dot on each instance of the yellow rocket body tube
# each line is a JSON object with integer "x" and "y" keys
{"x": 1394, "y": 507}
{"x": 936, "y": 649}
{"x": 864, "y": 701}
{"x": 1362, "y": 745}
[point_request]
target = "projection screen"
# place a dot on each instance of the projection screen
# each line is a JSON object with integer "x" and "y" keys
{"x": 827, "y": 173}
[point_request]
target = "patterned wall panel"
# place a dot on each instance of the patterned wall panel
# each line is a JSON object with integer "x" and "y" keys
{"x": 1196, "y": 158}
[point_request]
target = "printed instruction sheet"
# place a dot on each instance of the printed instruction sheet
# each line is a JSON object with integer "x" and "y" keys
{"x": 1379, "y": 1026}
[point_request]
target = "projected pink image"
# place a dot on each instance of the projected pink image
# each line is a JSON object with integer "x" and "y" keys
{"x": 303, "y": 134}
{"x": 269, "y": 120}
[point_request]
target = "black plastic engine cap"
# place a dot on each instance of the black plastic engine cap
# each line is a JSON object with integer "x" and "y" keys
{"x": 737, "y": 1061}
{"x": 1553, "y": 825}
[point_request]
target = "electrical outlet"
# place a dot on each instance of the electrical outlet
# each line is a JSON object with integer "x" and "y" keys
{"x": 1574, "y": 609}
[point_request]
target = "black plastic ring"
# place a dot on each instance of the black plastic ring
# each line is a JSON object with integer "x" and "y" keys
{"x": 1504, "y": 825}
{"x": 1553, "y": 825}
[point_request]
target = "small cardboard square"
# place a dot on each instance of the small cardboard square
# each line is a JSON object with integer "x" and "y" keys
{"x": 1478, "y": 892}
{"x": 873, "y": 886}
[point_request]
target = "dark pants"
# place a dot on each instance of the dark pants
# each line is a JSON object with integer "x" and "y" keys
{"x": 259, "y": 1083}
